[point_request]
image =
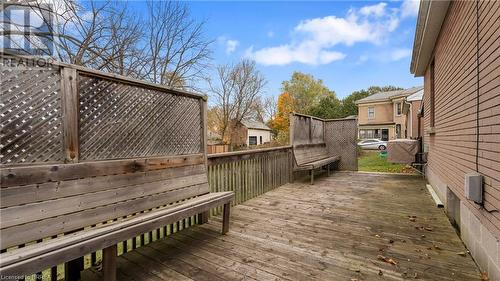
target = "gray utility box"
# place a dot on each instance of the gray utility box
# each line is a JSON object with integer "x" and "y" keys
{"x": 474, "y": 187}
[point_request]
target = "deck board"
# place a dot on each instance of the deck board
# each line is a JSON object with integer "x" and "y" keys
{"x": 333, "y": 230}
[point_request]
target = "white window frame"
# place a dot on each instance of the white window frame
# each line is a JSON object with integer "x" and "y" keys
{"x": 372, "y": 117}
{"x": 396, "y": 108}
{"x": 256, "y": 140}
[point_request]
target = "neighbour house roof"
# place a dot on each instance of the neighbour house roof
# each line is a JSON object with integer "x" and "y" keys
{"x": 416, "y": 97}
{"x": 252, "y": 124}
{"x": 387, "y": 96}
{"x": 431, "y": 15}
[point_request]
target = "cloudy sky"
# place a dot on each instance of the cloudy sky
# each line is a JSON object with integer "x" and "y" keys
{"x": 350, "y": 45}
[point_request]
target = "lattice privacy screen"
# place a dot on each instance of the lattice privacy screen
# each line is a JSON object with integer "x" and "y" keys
{"x": 119, "y": 120}
{"x": 30, "y": 115}
{"x": 341, "y": 139}
{"x": 117, "y": 117}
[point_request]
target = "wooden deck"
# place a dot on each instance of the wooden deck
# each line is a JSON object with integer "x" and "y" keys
{"x": 339, "y": 229}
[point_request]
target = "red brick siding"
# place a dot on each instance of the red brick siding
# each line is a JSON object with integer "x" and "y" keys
{"x": 452, "y": 150}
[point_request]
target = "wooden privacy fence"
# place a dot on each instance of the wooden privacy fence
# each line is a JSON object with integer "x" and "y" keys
{"x": 339, "y": 135}
{"x": 218, "y": 148}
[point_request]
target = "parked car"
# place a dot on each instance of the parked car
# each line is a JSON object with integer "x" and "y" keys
{"x": 373, "y": 144}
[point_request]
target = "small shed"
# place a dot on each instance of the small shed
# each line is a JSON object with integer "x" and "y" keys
{"x": 250, "y": 132}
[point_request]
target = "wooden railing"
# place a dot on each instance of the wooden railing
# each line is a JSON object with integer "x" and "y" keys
{"x": 249, "y": 173}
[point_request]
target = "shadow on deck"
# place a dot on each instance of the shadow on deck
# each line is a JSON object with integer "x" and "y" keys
{"x": 339, "y": 229}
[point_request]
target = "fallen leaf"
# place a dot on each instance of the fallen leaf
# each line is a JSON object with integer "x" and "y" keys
{"x": 484, "y": 276}
{"x": 391, "y": 241}
{"x": 463, "y": 254}
{"x": 380, "y": 273}
{"x": 437, "y": 247}
{"x": 428, "y": 228}
{"x": 376, "y": 235}
{"x": 412, "y": 219}
{"x": 387, "y": 260}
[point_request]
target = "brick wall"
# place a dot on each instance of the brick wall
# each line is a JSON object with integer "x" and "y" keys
{"x": 452, "y": 149}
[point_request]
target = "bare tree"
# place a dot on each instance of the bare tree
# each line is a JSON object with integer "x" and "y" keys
{"x": 167, "y": 47}
{"x": 236, "y": 90}
{"x": 176, "y": 47}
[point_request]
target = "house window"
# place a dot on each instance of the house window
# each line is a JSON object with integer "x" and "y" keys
{"x": 431, "y": 95}
{"x": 398, "y": 109}
{"x": 260, "y": 139}
{"x": 367, "y": 134}
{"x": 252, "y": 140}
{"x": 398, "y": 131}
{"x": 371, "y": 112}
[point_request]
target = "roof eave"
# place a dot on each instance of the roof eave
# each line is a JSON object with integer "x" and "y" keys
{"x": 431, "y": 15}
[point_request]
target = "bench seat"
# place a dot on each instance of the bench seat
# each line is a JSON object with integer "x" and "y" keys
{"x": 312, "y": 156}
{"x": 317, "y": 164}
{"x": 37, "y": 257}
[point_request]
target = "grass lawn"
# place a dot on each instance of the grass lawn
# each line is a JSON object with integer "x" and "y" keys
{"x": 370, "y": 161}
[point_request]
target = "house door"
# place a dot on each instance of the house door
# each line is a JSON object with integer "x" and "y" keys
{"x": 385, "y": 134}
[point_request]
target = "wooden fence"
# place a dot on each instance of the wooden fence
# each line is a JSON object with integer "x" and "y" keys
{"x": 339, "y": 135}
{"x": 218, "y": 148}
{"x": 249, "y": 173}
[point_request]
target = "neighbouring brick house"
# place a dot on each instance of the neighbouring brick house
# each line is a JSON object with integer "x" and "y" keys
{"x": 381, "y": 115}
{"x": 457, "y": 51}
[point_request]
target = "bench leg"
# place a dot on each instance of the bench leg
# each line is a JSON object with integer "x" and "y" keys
{"x": 72, "y": 269}
{"x": 312, "y": 176}
{"x": 109, "y": 263}
{"x": 203, "y": 217}
{"x": 328, "y": 169}
{"x": 225, "y": 218}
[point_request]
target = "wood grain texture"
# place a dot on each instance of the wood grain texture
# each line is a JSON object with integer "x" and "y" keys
{"x": 70, "y": 114}
{"x": 33, "y": 174}
{"x": 40, "y": 256}
{"x": 334, "y": 230}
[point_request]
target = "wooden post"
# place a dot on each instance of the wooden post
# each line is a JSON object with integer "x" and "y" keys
{"x": 225, "y": 218}
{"x": 72, "y": 269}
{"x": 70, "y": 113}
{"x": 203, "y": 217}
{"x": 312, "y": 176}
{"x": 109, "y": 263}
{"x": 310, "y": 130}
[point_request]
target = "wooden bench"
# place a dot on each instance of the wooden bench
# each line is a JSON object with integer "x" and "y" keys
{"x": 311, "y": 157}
{"x": 97, "y": 205}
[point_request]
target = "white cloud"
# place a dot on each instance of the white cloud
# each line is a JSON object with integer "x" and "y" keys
{"x": 305, "y": 53}
{"x": 409, "y": 8}
{"x": 398, "y": 54}
{"x": 231, "y": 46}
{"x": 375, "y": 10}
{"x": 228, "y": 44}
{"x": 313, "y": 39}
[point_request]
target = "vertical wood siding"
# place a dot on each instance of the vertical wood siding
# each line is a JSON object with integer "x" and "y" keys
{"x": 452, "y": 149}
